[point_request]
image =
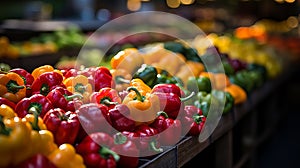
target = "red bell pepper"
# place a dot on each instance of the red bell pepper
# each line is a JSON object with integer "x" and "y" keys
{"x": 169, "y": 129}
{"x": 106, "y": 96}
{"x": 119, "y": 118}
{"x": 36, "y": 161}
{"x": 93, "y": 118}
{"x": 35, "y": 102}
{"x": 64, "y": 99}
{"x": 47, "y": 82}
{"x": 63, "y": 125}
{"x": 27, "y": 78}
{"x": 102, "y": 78}
{"x": 7, "y": 102}
{"x": 128, "y": 151}
{"x": 193, "y": 120}
{"x": 171, "y": 103}
{"x": 145, "y": 138}
{"x": 71, "y": 72}
{"x": 95, "y": 151}
{"x": 167, "y": 88}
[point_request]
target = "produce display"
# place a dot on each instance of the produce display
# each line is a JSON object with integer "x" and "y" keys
{"x": 45, "y": 43}
{"x": 113, "y": 116}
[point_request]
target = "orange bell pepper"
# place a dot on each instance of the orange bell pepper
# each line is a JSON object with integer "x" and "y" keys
{"x": 237, "y": 93}
{"x": 42, "y": 69}
{"x": 12, "y": 87}
{"x": 129, "y": 59}
{"x": 66, "y": 157}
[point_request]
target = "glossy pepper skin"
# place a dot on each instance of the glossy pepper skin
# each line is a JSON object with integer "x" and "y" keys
{"x": 27, "y": 78}
{"x": 147, "y": 73}
{"x": 145, "y": 138}
{"x": 93, "y": 118}
{"x": 193, "y": 120}
{"x": 43, "y": 69}
{"x": 71, "y": 72}
{"x": 143, "y": 109}
{"x": 12, "y": 87}
{"x": 128, "y": 56}
{"x": 119, "y": 118}
{"x": 62, "y": 98}
{"x": 63, "y": 125}
{"x": 167, "y": 88}
{"x": 7, "y": 112}
{"x": 169, "y": 129}
{"x": 128, "y": 151}
{"x": 14, "y": 137}
{"x": 95, "y": 151}
{"x": 42, "y": 140}
{"x": 79, "y": 85}
{"x": 37, "y": 101}
{"x": 37, "y": 161}
{"x": 102, "y": 78}
{"x": 141, "y": 86}
{"x": 46, "y": 82}
{"x": 106, "y": 96}
{"x": 7, "y": 102}
{"x": 66, "y": 156}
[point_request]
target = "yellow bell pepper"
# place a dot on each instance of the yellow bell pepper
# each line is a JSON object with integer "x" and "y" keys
{"x": 79, "y": 85}
{"x": 15, "y": 140}
{"x": 66, "y": 157}
{"x": 7, "y": 112}
{"x": 143, "y": 108}
{"x": 42, "y": 139}
{"x": 141, "y": 86}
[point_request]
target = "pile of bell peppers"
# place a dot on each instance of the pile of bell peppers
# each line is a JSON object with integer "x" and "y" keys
{"x": 100, "y": 117}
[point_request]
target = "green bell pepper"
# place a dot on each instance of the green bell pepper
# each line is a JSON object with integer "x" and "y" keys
{"x": 199, "y": 84}
{"x": 229, "y": 103}
{"x": 148, "y": 74}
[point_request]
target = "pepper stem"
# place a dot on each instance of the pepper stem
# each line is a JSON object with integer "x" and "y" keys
{"x": 198, "y": 118}
{"x": 3, "y": 72}
{"x": 121, "y": 79}
{"x": 152, "y": 146}
{"x": 12, "y": 86}
{"x": 44, "y": 89}
{"x": 4, "y": 130}
{"x": 107, "y": 101}
{"x": 119, "y": 138}
{"x": 79, "y": 87}
{"x": 188, "y": 97}
{"x": 162, "y": 113}
{"x": 105, "y": 152}
{"x": 139, "y": 97}
{"x": 71, "y": 97}
{"x": 35, "y": 112}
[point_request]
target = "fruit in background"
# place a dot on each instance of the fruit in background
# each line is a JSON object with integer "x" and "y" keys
{"x": 66, "y": 63}
{"x": 245, "y": 50}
